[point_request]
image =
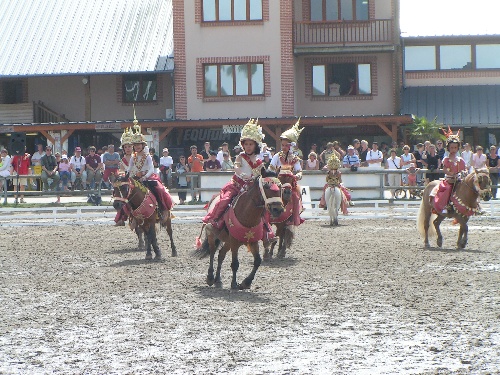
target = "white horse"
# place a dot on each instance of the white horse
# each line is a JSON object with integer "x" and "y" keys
{"x": 333, "y": 197}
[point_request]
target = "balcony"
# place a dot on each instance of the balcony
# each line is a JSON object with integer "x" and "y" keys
{"x": 343, "y": 36}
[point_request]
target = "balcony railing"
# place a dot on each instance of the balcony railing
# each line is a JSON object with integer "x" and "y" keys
{"x": 343, "y": 33}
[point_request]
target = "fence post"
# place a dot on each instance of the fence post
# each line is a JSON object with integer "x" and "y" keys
{"x": 5, "y": 190}
{"x": 194, "y": 182}
{"x": 381, "y": 175}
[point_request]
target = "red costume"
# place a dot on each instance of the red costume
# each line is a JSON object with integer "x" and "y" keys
{"x": 452, "y": 171}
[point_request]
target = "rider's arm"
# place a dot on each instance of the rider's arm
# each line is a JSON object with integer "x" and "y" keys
{"x": 149, "y": 165}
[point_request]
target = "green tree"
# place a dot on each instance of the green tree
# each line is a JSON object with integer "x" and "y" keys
{"x": 424, "y": 130}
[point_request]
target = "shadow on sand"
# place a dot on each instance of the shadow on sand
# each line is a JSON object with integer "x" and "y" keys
{"x": 279, "y": 263}
{"x": 226, "y": 293}
{"x": 453, "y": 250}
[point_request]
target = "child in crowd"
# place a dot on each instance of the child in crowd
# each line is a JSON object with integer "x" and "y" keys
{"x": 64, "y": 172}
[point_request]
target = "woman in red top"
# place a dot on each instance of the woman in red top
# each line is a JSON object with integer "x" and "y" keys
{"x": 21, "y": 166}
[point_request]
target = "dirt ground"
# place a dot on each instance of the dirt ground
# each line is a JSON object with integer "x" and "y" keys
{"x": 362, "y": 298}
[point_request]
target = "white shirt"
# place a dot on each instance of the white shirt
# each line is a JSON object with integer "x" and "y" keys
{"x": 146, "y": 167}
{"x": 77, "y": 162}
{"x": 166, "y": 161}
{"x": 35, "y": 159}
{"x": 467, "y": 156}
{"x": 374, "y": 155}
{"x": 5, "y": 168}
{"x": 406, "y": 158}
{"x": 394, "y": 163}
{"x": 276, "y": 162}
{"x": 478, "y": 162}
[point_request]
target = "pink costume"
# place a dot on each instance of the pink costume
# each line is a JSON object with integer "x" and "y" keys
{"x": 290, "y": 161}
{"x": 232, "y": 189}
{"x": 141, "y": 162}
{"x": 452, "y": 171}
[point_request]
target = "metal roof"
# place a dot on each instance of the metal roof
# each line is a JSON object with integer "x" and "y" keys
{"x": 60, "y": 37}
{"x": 465, "y": 106}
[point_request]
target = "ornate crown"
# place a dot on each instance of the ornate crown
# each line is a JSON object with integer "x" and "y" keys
{"x": 253, "y": 132}
{"x": 136, "y": 132}
{"x": 450, "y": 137}
{"x": 293, "y": 133}
{"x": 333, "y": 162}
{"x": 126, "y": 138}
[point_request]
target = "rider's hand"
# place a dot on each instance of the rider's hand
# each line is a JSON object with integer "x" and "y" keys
{"x": 298, "y": 176}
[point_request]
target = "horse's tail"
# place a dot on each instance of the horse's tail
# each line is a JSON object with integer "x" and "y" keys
{"x": 203, "y": 248}
{"x": 424, "y": 211}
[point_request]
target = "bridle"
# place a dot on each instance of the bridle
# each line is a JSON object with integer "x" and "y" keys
{"x": 130, "y": 187}
{"x": 476, "y": 187}
{"x": 270, "y": 181}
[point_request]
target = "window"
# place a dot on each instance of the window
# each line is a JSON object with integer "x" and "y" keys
{"x": 455, "y": 57}
{"x": 488, "y": 56}
{"x": 139, "y": 88}
{"x": 232, "y": 10}
{"x": 241, "y": 79}
{"x": 339, "y": 10}
{"x": 12, "y": 92}
{"x": 341, "y": 79}
{"x": 420, "y": 58}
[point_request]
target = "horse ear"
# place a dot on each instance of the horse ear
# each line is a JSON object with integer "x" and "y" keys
{"x": 263, "y": 171}
{"x": 278, "y": 170}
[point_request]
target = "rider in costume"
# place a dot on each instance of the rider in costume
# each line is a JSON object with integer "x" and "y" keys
{"x": 453, "y": 166}
{"x": 334, "y": 178}
{"x": 290, "y": 163}
{"x": 247, "y": 167}
{"x": 127, "y": 147}
{"x": 141, "y": 168}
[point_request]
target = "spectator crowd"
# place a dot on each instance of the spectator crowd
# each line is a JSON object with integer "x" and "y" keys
{"x": 90, "y": 168}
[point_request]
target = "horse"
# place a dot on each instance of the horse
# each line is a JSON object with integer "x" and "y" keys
{"x": 144, "y": 212}
{"x": 244, "y": 226}
{"x": 333, "y": 198}
{"x": 464, "y": 200}
{"x": 284, "y": 232}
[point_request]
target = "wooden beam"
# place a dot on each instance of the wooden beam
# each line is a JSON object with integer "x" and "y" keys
{"x": 394, "y": 131}
{"x": 271, "y": 133}
{"x": 165, "y": 133}
{"x": 48, "y": 136}
{"x": 67, "y": 135}
{"x": 278, "y": 140}
{"x": 385, "y": 129}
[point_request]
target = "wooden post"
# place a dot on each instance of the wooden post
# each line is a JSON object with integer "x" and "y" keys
{"x": 88, "y": 100}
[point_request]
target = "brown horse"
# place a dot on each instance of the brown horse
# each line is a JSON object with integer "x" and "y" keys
{"x": 144, "y": 211}
{"x": 264, "y": 194}
{"x": 283, "y": 229}
{"x": 464, "y": 199}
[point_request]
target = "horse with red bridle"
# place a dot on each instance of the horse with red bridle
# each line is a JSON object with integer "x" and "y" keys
{"x": 243, "y": 226}
{"x": 283, "y": 223}
{"x": 464, "y": 201}
{"x": 144, "y": 212}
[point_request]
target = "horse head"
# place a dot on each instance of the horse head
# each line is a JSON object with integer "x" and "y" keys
{"x": 270, "y": 189}
{"x": 482, "y": 183}
{"x": 288, "y": 183}
{"x": 122, "y": 188}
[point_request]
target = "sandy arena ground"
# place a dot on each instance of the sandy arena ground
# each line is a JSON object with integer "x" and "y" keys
{"x": 363, "y": 298}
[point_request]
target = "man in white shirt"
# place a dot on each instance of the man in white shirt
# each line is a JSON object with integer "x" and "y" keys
{"x": 393, "y": 162}
{"x": 77, "y": 163}
{"x": 220, "y": 154}
{"x": 374, "y": 157}
{"x": 166, "y": 162}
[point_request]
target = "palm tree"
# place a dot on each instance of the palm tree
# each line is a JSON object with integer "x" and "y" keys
{"x": 424, "y": 130}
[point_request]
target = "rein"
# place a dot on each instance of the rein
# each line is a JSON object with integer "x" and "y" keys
{"x": 129, "y": 196}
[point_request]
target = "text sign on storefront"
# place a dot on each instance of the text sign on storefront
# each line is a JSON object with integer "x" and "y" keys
{"x": 228, "y": 129}
{"x": 6, "y": 129}
{"x": 114, "y": 126}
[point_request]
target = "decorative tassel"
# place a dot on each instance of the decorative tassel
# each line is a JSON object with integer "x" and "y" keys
{"x": 198, "y": 242}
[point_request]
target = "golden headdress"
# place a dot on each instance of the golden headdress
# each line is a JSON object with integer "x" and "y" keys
{"x": 333, "y": 161}
{"x": 126, "y": 138}
{"x": 136, "y": 132}
{"x": 253, "y": 132}
{"x": 450, "y": 137}
{"x": 293, "y": 133}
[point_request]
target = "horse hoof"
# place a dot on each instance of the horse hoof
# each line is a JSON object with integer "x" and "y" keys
{"x": 267, "y": 256}
{"x": 281, "y": 254}
{"x": 149, "y": 256}
{"x": 244, "y": 285}
{"x": 210, "y": 280}
{"x": 174, "y": 252}
{"x": 235, "y": 286}
{"x": 218, "y": 284}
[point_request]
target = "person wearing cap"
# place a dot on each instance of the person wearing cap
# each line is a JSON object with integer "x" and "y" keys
{"x": 64, "y": 169}
{"x": 334, "y": 179}
{"x": 93, "y": 167}
{"x": 220, "y": 154}
{"x": 141, "y": 168}
{"x": 227, "y": 163}
{"x": 49, "y": 171}
{"x": 351, "y": 159}
{"x": 166, "y": 162}
{"x": 288, "y": 162}
{"x": 212, "y": 164}
{"x": 77, "y": 163}
{"x": 374, "y": 156}
{"x": 266, "y": 159}
{"x": 247, "y": 167}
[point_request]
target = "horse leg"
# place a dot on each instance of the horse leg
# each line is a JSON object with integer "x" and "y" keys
{"x": 462, "y": 236}
{"x": 437, "y": 223}
{"x": 257, "y": 260}
{"x": 220, "y": 260}
{"x": 147, "y": 237}
{"x": 211, "y": 246}
{"x": 154, "y": 241}
{"x": 281, "y": 247}
{"x": 427, "y": 221}
{"x": 170, "y": 235}
{"x": 235, "y": 264}
{"x": 140, "y": 236}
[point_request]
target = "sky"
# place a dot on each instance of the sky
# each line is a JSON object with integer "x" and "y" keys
{"x": 449, "y": 17}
